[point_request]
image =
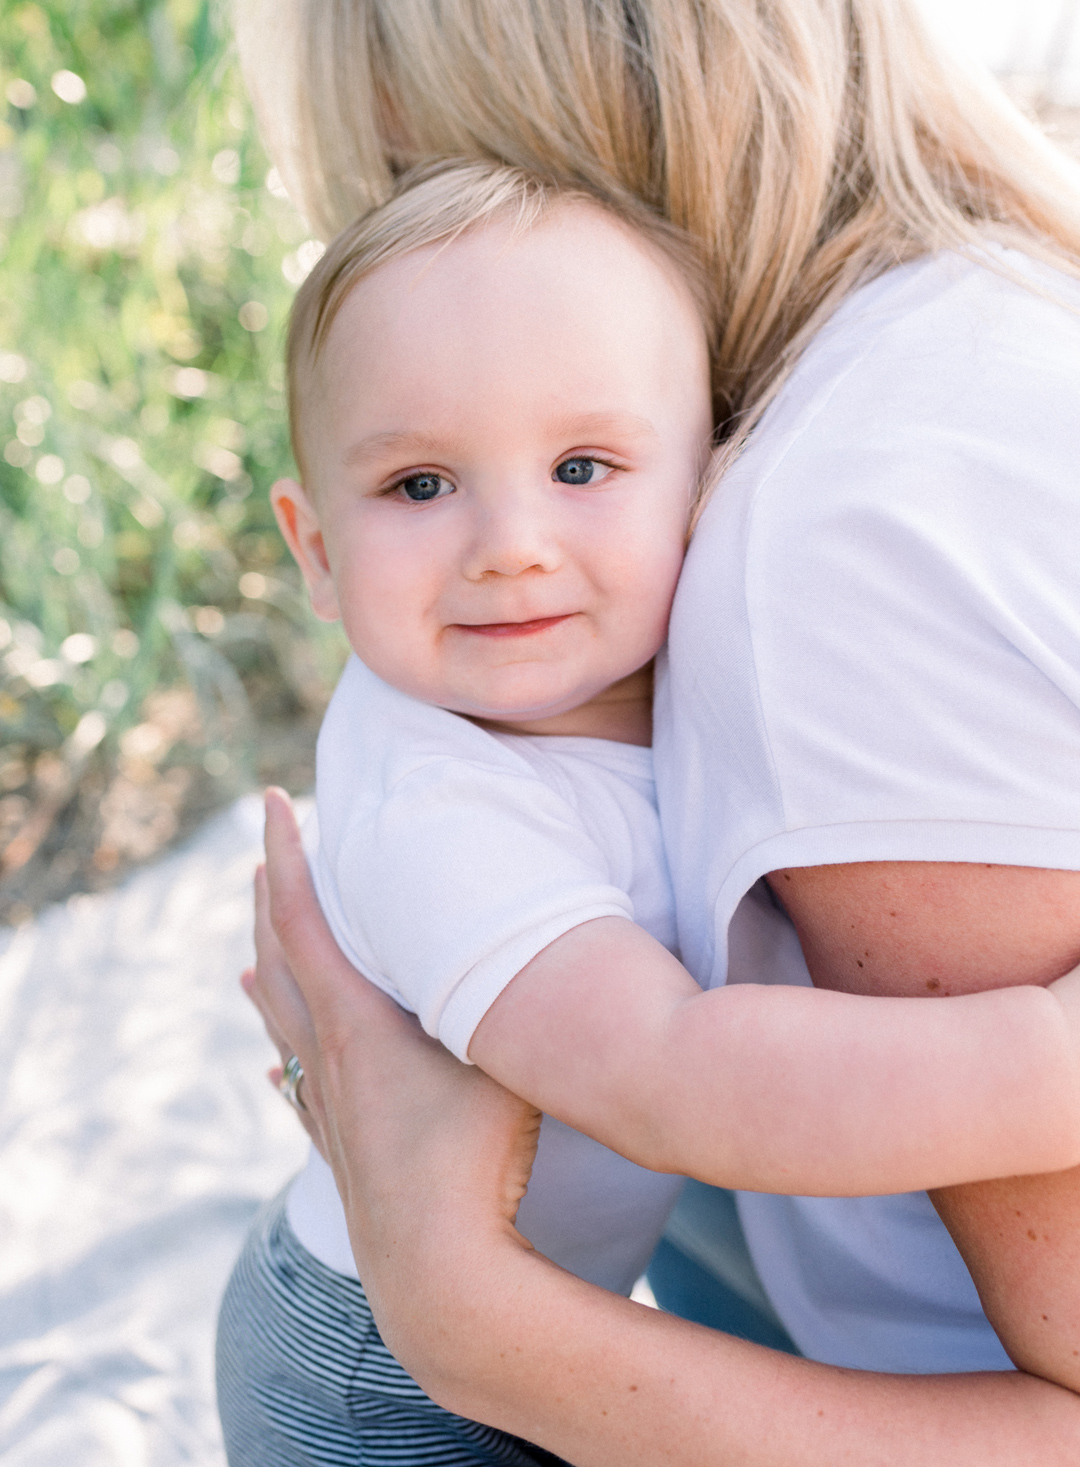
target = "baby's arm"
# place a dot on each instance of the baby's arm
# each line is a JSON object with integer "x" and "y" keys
{"x": 785, "y": 1089}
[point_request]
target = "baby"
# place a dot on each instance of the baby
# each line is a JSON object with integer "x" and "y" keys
{"x": 501, "y": 411}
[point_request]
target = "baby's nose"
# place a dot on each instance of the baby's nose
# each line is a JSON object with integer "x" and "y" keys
{"x": 510, "y": 540}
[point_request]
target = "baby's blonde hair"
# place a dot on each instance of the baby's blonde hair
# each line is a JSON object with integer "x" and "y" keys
{"x": 807, "y": 145}
{"x": 434, "y": 205}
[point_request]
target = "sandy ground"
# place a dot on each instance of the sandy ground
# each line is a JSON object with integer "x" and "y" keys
{"x": 137, "y": 1139}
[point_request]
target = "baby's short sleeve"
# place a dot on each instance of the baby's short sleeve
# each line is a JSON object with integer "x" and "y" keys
{"x": 461, "y": 875}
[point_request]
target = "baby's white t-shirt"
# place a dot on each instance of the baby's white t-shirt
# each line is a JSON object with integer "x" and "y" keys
{"x": 874, "y": 654}
{"x": 447, "y": 858}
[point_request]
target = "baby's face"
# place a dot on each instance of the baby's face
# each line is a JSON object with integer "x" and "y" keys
{"x": 503, "y": 440}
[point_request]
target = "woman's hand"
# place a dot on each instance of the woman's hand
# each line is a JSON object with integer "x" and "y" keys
{"x": 426, "y": 1151}
{"x": 271, "y": 981}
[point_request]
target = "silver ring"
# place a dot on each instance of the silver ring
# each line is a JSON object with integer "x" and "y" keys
{"x": 289, "y": 1084}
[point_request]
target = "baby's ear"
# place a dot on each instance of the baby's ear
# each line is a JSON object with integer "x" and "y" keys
{"x": 299, "y": 524}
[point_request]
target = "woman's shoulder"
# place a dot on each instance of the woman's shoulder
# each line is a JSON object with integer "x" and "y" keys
{"x": 949, "y": 311}
{"x": 920, "y": 464}
{"x": 946, "y": 386}
{"x": 947, "y": 320}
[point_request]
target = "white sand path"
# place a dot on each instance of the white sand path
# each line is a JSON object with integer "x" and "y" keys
{"x": 137, "y": 1139}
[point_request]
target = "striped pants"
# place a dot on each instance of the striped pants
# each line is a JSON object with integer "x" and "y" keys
{"x": 304, "y": 1380}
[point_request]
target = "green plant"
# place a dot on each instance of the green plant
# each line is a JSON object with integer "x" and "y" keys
{"x": 153, "y": 637}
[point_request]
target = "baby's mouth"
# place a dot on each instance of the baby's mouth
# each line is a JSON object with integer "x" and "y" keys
{"x": 501, "y": 629}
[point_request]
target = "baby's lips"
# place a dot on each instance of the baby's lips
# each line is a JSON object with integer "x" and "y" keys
{"x": 514, "y": 628}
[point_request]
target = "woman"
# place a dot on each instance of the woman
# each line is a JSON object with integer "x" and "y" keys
{"x": 870, "y": 694}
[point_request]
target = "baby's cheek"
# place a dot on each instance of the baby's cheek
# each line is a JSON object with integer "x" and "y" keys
{"x": 394, "y": 642}
{"x": 366, "y": 614}
{"x": 647, "y": 578}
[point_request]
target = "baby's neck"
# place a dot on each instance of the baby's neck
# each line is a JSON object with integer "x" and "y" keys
{"x": 621, "y": 713}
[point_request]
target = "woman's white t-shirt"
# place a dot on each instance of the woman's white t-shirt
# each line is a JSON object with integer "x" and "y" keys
{"x": 875, "y": 655}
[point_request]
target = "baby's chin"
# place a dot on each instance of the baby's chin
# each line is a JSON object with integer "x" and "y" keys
{"x": 510, "y": 714}
{"x": 517, "y": 696}
{"x": 571, "y": 716}
{"x": 522, "y": 701}
{"x": 525, "y": 694}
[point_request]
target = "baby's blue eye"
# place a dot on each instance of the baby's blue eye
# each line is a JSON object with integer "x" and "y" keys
{"x": 422, "y": 487}
{"x": 576, "y": 470}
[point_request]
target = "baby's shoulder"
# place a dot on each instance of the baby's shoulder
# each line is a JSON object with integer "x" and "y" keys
{"x": 382, "y": 754}
{"x": 374, "y": 736}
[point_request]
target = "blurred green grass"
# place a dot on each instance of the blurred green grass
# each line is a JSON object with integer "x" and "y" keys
{"x": 156, "y": 653}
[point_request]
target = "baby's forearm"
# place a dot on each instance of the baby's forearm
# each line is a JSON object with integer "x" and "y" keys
{"x": 784, "y": 1089}
{"x": 833, "y": 1094}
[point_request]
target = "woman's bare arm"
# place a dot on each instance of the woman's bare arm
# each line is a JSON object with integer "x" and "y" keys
{"x": 431, "y": 1157}
{"x": 605, "y": 1382}
{"x": 906, "y": 928}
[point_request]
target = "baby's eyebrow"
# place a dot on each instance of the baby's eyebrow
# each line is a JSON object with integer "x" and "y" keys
{"x": 600, "y": 425}
{"x": 568, "y": 428}
{"x": 379, "y": 444}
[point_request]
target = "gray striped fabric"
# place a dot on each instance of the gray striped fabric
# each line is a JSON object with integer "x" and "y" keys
{"x": 304, "y": 1379}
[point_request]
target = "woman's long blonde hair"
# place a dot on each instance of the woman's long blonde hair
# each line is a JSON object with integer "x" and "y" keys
{"x": 805, "y": 145}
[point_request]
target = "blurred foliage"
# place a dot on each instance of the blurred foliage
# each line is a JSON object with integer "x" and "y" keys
{"x": 156, "y": 651}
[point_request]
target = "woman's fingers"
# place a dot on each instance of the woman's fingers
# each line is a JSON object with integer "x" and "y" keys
{"x": 335, "y": 993}
{"x": 293, "y": 908}
{"x": 250, "y": 986}
{"x": 309, "y": 1116}
{"x": 274, "y": 991}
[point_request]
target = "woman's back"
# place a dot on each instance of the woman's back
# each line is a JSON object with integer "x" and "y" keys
{"x": 872, "y": 657}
